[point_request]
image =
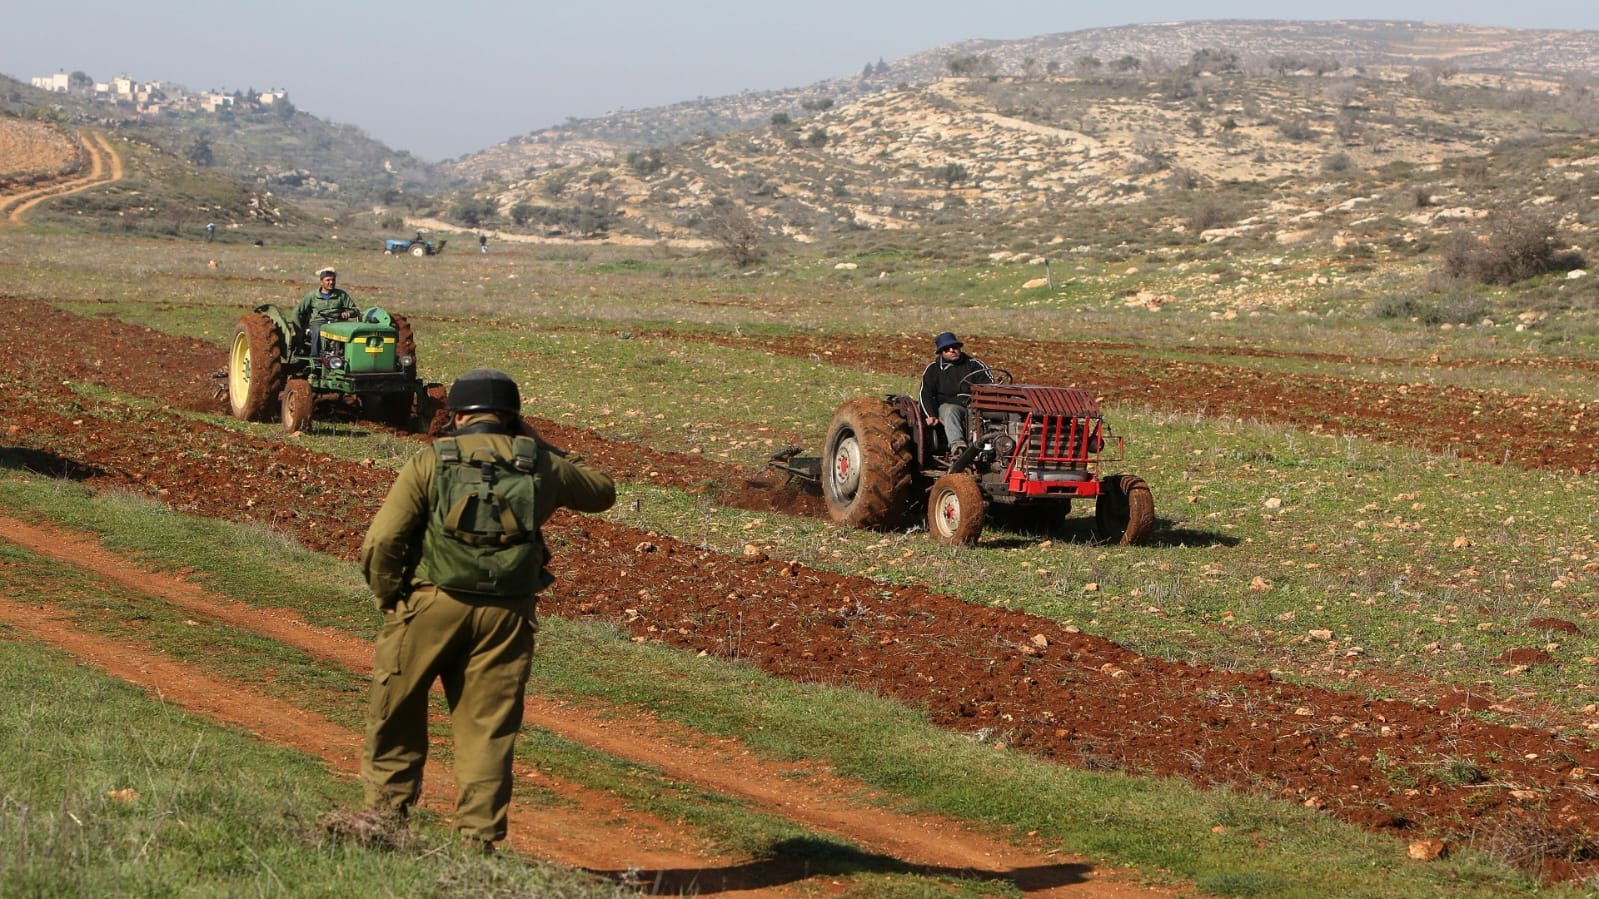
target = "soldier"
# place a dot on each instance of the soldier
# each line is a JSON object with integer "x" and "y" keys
{"x": 455, "y": 558}
{"x": 327, "y": 303}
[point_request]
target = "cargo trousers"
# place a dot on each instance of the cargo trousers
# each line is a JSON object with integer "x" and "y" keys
{"x": 482, "y": 651}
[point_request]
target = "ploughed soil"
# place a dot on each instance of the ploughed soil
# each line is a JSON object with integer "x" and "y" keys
{"x": 1071, "y": 697}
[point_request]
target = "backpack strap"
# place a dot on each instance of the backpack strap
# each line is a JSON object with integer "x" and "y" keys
{"x": 524, "y": 454}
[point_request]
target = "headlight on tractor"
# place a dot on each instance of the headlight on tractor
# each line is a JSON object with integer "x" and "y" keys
{"x": 407, "y": 361}
{"x": 335, "y": 362}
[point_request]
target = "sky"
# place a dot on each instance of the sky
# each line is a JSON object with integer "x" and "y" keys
{"x": 442, "y": 80}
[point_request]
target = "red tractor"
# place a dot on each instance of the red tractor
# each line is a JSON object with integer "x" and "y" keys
{"x": 1030, "y": 451}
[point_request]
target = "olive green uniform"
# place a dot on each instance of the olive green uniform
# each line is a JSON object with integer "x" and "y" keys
{"x": 315, "y": 307}
{"x": 480, "y": 646}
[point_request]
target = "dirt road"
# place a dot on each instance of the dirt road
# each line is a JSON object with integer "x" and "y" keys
{"x": 105, "y": 166}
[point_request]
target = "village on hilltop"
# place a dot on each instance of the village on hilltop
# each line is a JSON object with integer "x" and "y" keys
{"x": 157, "y": 97}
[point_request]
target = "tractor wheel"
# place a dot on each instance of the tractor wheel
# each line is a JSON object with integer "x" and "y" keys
{"x": 255, "y": 368}
{"x": 433, "y": 414}
{"x": 297, "y": 404}
{"x": 419, "y": 249}
{"x": 870, "y": 462}
{"x": 1125, "y": 512}
{"x": 956, "y": 510}
{"x": 404, "y": 339}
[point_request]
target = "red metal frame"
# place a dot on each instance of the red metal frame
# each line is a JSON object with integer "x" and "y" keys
{"x": 1061, "y": 431}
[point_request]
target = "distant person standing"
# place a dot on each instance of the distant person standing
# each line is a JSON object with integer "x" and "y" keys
{"x": 483, "y": 243}
{"x": 210, "y": 231}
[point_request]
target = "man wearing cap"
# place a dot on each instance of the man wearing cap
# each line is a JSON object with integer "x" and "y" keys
{"x": 327, "y": 303}
{"x": 947, "y": 387}
{"x": 455, "y": 558}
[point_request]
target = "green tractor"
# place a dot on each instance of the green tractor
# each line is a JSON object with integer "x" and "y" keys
{"x": 365, "y": 364}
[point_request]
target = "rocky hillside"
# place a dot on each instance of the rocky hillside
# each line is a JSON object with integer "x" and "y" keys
{"x": 1151, "y": 49}
{"x": 1193, "y": 154}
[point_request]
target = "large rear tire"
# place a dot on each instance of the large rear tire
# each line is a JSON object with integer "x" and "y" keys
{"x": 255, "y": 368}
{"x": 296, "y": 405}
{"x": 433, "y": 414}
{"x": 1125, "y": 512}
{"x": 956, "y": 510}
{"x": 419, "y": 250}
{"x": 404, "y": 338}
{"x": 869, "y": 462}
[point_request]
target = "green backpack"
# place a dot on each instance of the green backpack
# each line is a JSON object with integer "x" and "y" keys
{"x": 482, "y": 537}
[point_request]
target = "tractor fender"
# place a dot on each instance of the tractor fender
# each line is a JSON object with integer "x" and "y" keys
{"x": 377, "y": 315}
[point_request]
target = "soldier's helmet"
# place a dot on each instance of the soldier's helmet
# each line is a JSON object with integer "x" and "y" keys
{"x": 484, "y": 390}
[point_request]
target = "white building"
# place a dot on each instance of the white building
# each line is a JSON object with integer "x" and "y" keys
{"x": 57, "y": 82}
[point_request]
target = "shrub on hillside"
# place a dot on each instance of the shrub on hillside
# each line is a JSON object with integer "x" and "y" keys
{"x": 1337, "y": 163}
{"x": 1297, "y": 130}
{"x": 1455, "y": 307}
{"x": 1460, "y": 307}
{"x": 474, "y": 211}
{"x": 1399, "y": 306}
{"x": 1208, "y": 213}
{"x": 740, "y": 237}
{"x": 1514, "y": 244}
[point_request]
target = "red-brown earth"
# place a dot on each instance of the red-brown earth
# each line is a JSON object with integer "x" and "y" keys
{"x": 1069, "y": 696}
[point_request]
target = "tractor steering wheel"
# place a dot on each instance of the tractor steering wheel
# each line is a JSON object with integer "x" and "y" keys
{"x": 995, "y": 376}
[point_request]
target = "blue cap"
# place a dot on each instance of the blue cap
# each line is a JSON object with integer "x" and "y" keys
{"x": 946, "y": 340}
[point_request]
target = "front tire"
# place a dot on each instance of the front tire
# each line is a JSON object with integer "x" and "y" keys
{"x": 255, "y": 368}
{"x": 1125, "y": 512}
{"x": 956, "y": 510}
{"x": 296, "y": 406}
{"x": 869, "y": 463}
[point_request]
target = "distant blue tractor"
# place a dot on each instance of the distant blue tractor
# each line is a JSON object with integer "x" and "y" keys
{"x": 416, "y": 246}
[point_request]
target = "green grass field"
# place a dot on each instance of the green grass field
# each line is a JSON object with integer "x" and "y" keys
{"x": 1345, "y": 563}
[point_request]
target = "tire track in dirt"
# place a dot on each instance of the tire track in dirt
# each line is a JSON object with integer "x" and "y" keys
{"x": 585, "y": 837}
{"x": 579, "y": 835}
{"x": 105, "y": 168}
